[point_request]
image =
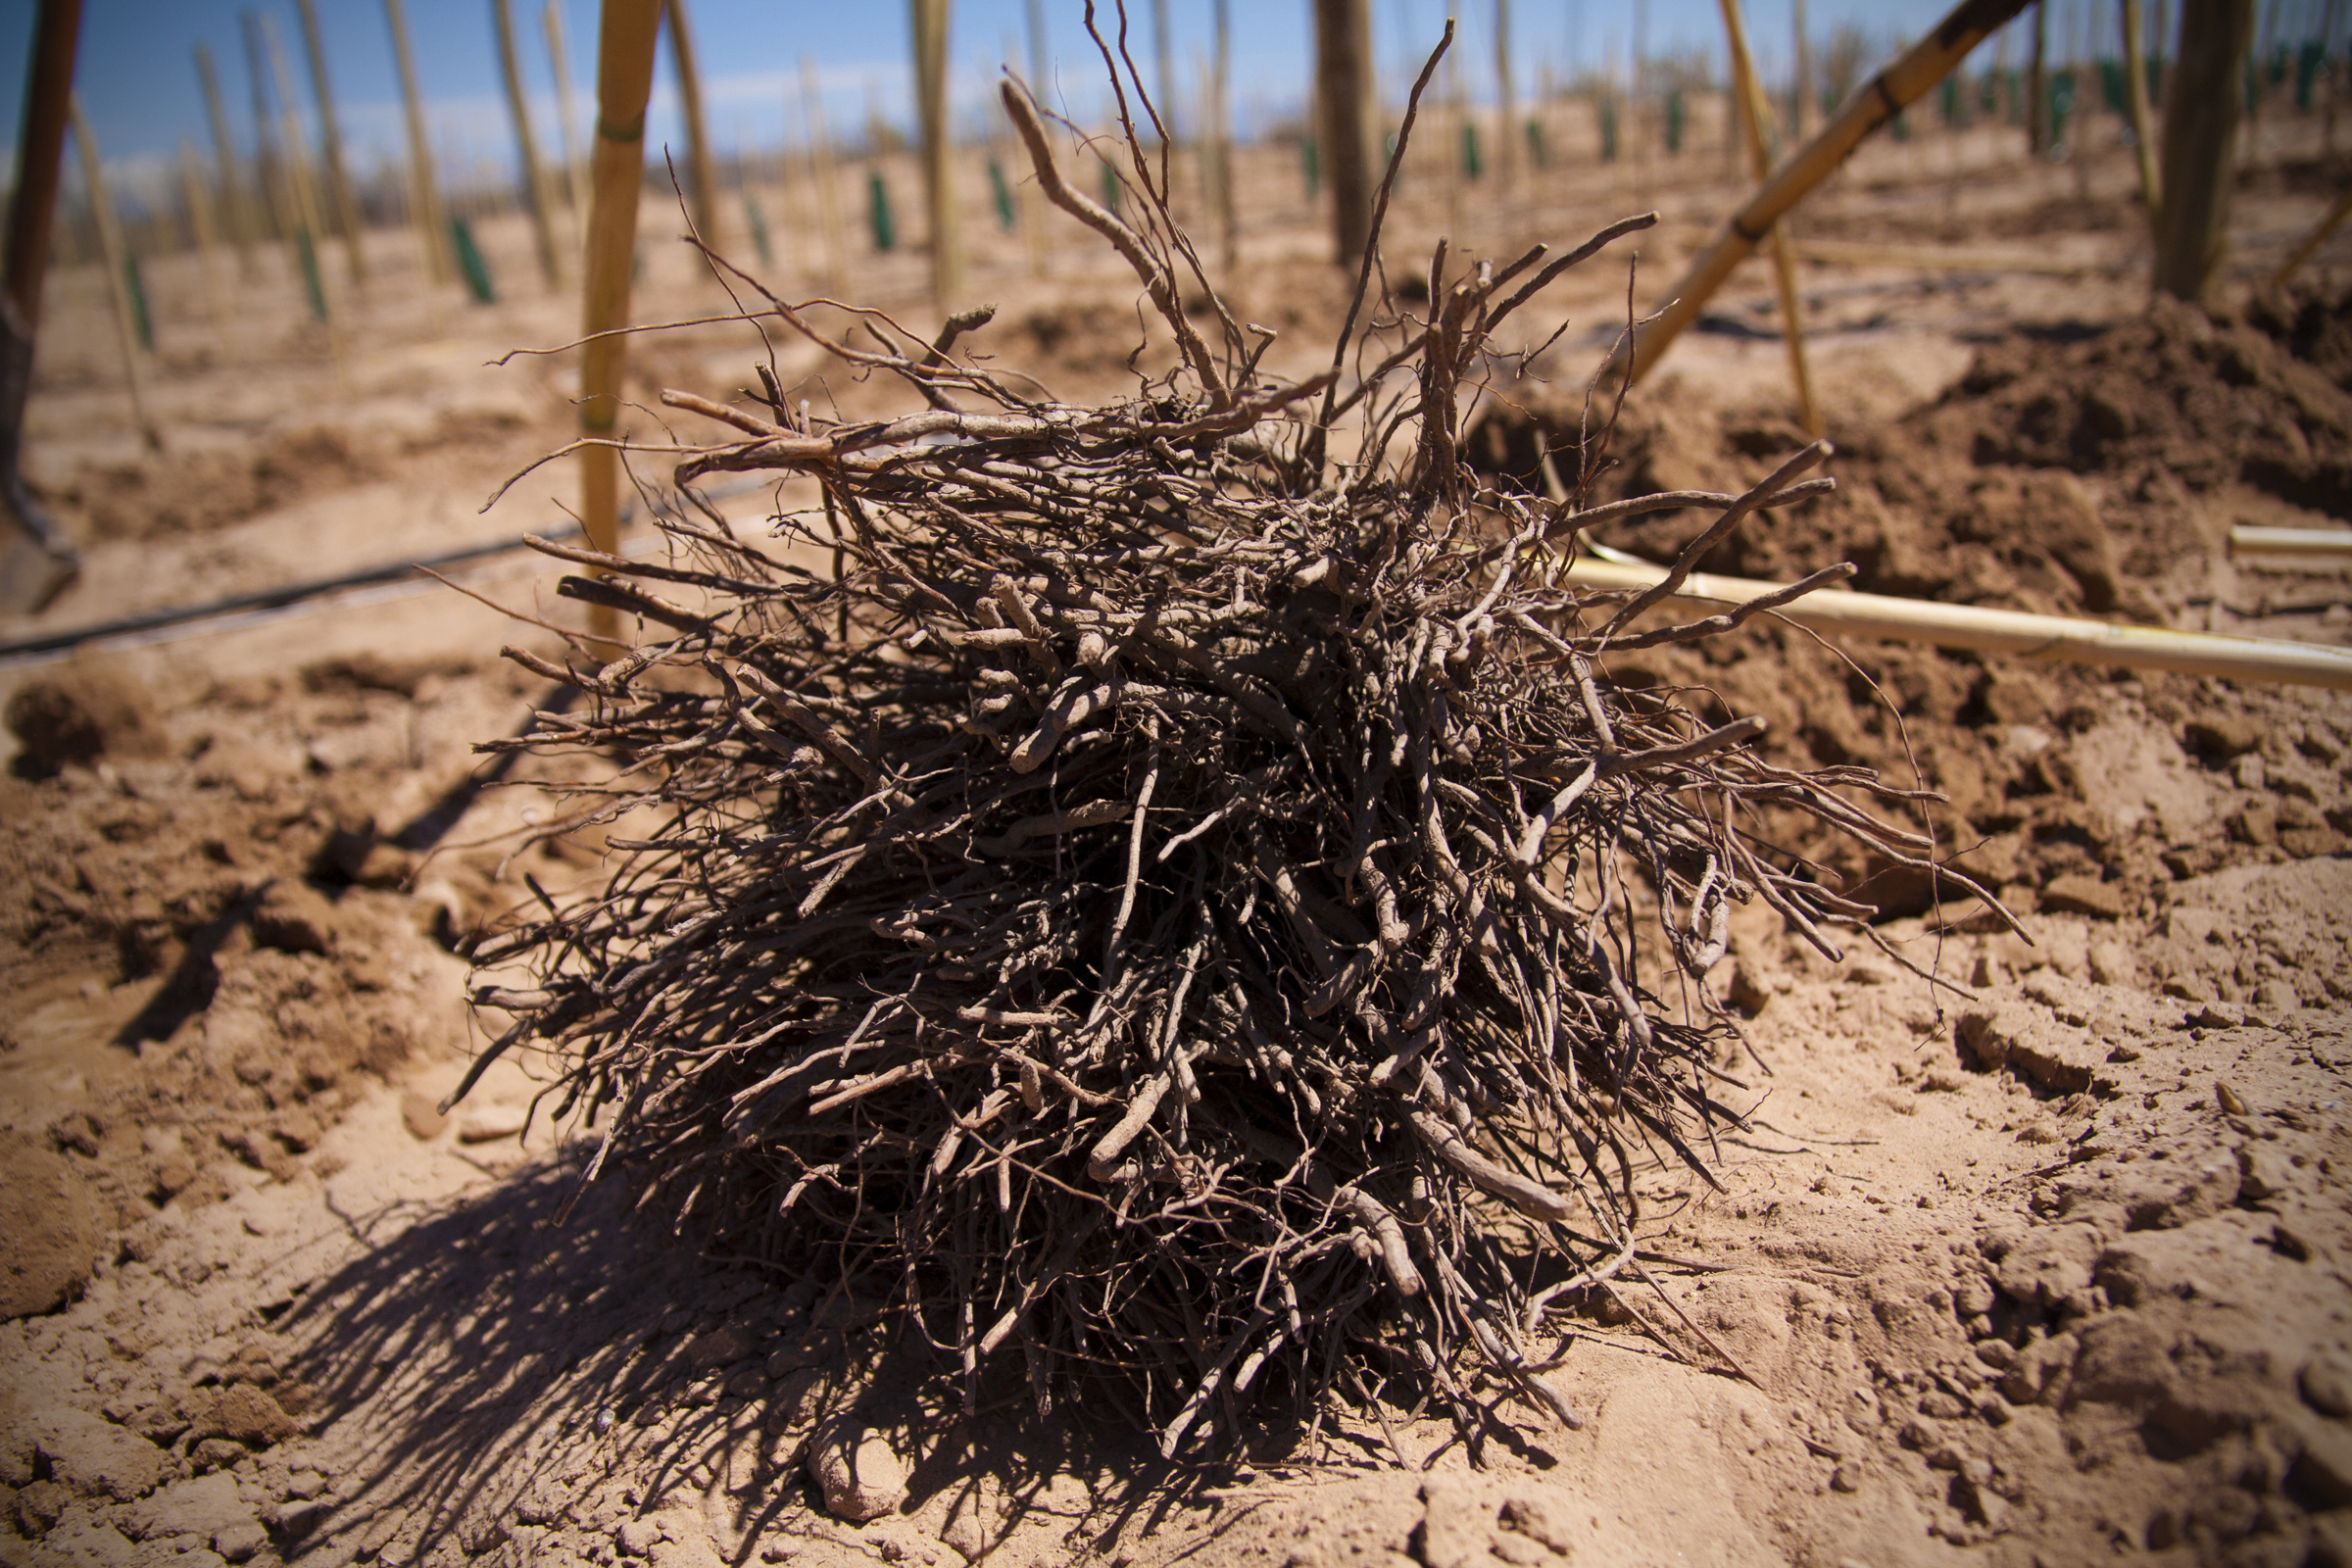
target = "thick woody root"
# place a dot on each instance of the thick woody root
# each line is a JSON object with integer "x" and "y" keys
{"x": 1193, "y": 918}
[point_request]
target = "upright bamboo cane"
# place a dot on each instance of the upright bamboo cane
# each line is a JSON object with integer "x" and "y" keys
{"x": 2200, "y": 138}
{"x": 241, "y": 224}
{"x": 1343, "y": 85}
{"x": 625, "y": 80}
{"x": 208, "y": 242}
{"x": 1507, "y": 134}
{"x": 303, "y": 196}
{"x": 575, "y": 166}
{"x": 1918, "y": 70}
{"x": 114, "y": 259}
{"x": 2037, "y": 90}
{"x": 2135, "y": 97}
{"x": 1747, "y": 98}
{"x": 1163, "y": 52}
{"x": 824, "y": 174}
{"x": 425, "y": 185}
{"x": 702, "y": 193}
{"x": 1800, "y": 88}
{"x": 349, "y": 220}
{"x": 1221, "y": 104}
{"x": 939, "y": 170}
{"x": 526, "y": 142}
{"x": 277, "y": 198}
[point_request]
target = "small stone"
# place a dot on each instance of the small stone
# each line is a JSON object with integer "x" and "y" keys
{"x": 721, "y": 1346}
{"x": 860, "y": 1475}
{"x": 492, "y": 1123}
{"x": 2228, "y": 1099}
{"x": 1847, "y": 1477}
{"x": 637, "y": 1537}
{"x": 2224, "y": 736}
{"x": 2083, "y": 895}
{"x": 421, "y": 1116}
{"x": 2000, "y": 1354}
{"x": 2327, "y": 1385}
{"x": 962, "y": 1536}
{"x": 238, "y": 1541}
{"x": 243, "y": 1413}
{"x": 303, "y": 1485}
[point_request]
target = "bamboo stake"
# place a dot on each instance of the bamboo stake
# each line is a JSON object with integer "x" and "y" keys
{"x": 1164, "y": 63}
{"x": 2200, "y": 137}
{"x": 207, "y": 243}
{"x": 1506, "y": 137}
{"x": 425, "y": 187}
{"x": 36, "y": 561}
{"x": 2037, "y": 88}
{"x": 2049, "y": 639}
{"x": 114, "y": 260}
{"x": 703, "y": 181}
{"x": 307, "y": 227}
{"x": 278, "y": 203}
{"x": 1221, "y": 107}
{"x": 1033, "y": 211}
{"x": 625, "y": 80}
{"x": 576, "y": 164}
{"x": 824, "y": 172}
{"x": 938, "y": 173}
{"x": 349, "y": 220}
{"x": 2314, "y": 241}
{"x": 2332, "y": 546}
{"x": 1904, "y": 82}
{"x": 1343, "y": 83}
{"x": 534, "y": 175}
{"x": 1747, "y": 96}
{"x": 1801, "y": 116}
{"x": 2135, "y": 95}
{"x": 241, "y": 226}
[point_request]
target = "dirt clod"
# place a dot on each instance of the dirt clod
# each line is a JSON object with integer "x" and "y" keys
{"x": 51, "y": 1224}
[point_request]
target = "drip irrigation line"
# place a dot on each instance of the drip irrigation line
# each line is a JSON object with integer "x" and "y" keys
{"x": 261, "y": 604}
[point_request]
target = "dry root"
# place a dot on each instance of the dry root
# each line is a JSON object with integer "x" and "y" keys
{"x": 1166, "y": 907}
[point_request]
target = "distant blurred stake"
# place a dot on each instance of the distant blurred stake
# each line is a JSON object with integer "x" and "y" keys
{"x": 701, "y": 178}
{"x": 1747, "y": 98}
{"x": 824, "y": 172}
{"x": 207, "y": 243}
{"x": 624, "y": 79}
{"x": 241, "y": 222}
{"x": 2201, "y": 111}
{"x": 118, "y": 279}
{"x": 1344, "y": 87}
{"x": 36, "y": 564}
{"x": 575, "y": 167}
{"x": 425, "y": 185}
{"x": 534, "y": 173}
{"x": 349, "y": 220}
{"x": 939, "y": 152}
{"x": 2135, "y": 96}
{"x": 306, "y": 227}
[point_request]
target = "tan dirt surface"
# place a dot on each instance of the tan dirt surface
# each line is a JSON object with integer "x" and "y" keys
{"x": 2046, "y": 1266}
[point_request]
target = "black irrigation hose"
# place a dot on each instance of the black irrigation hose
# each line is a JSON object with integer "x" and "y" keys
{"x": 266, "y": 598}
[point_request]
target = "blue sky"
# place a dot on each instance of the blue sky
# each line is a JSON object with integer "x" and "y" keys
{"x": 138, "y": 82}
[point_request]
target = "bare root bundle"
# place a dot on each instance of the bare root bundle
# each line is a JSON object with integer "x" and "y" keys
{"x": 1165, "y": 902}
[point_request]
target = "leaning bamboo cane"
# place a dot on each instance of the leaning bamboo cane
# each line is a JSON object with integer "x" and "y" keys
{"x": 2314, "y": 241}
{"x": 349, "y": 220}
{"x": 576, "y": 167}
{"x": 1919, "y": 68}
{"x": 1747, "y": 97}
{"x": 425, "y": 187}
{"x": 303, "y": 197}
{"x": 114, "y": 260}
{"x": 241, "y": 223}
{"x": 703, "y": 178}
{"x": 207, "y": 243}
{"x": 2056, "y": 639}
{"x": 625, "y": 80}
{"x": 534, "y": 173}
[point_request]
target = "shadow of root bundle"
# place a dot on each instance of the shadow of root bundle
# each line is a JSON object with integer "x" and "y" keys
{"x": 1168, "y": 911}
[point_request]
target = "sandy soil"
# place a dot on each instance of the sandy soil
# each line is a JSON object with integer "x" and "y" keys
{"x": 2046, "y": 1268}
